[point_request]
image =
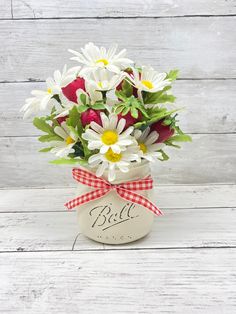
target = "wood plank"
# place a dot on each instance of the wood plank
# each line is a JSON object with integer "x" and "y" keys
{"x": 163, "y": 281}
{"x": 41, "y": 232}
{"x": 114, "y": 8}
{"x": 166, "y": 196}
{"x": 5, "y": 9}
{"x": 209, "y": 159}
{"x": 202, "y": 99}
{"x": 199, "y": 47}
{"x": 178, "y": 228}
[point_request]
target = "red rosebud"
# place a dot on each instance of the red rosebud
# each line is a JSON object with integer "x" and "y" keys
{"x": 164, "y": 131}
{"x": 70, "y": 90}
{"x": 91, "y": 115}
{"x": 61, "y": 119}
{"x": 130, "y": 120}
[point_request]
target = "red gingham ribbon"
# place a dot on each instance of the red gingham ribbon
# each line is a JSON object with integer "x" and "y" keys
{"x": 124, "y": 190}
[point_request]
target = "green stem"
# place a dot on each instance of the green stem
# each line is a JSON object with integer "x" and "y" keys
{"x": 104, "y": 96}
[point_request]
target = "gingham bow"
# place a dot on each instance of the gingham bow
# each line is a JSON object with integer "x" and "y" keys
{"x": 124, "y": 190}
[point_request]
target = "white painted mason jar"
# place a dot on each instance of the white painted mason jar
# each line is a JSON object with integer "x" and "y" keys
{"x": 111, "y": 219}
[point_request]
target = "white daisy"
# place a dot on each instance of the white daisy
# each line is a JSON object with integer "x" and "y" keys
{"x": 43, "y": 100}
{"x": 62, "y": 79}
{"x": 147, "y": 144}
{"x": 95, "y": 57}
{"x": 149, "y": 80}
{"x": 68, "y": 139}
{"x": 108, "y": 136}
{"x": 104, "y": 80}
{"x": 111, "y": 161}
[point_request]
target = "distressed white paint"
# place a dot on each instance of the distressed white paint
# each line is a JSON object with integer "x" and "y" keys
{"x": 166, "y": 196}
{"x": 161, "y": 281}
{"x": 199, "y": 47}
{"x": 206, "y": 110}
{"x": 116, "y": 8}
{"x": 5, "y": 9}
{"x": 210, "y": 158}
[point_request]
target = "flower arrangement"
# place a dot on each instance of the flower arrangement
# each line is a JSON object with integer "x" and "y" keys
{"x": 107, "y": 113}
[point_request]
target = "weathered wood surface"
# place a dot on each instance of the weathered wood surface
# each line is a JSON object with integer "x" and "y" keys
{"x": 207, "y": 110}
{"x": 178, "y": 228}
{"x": 116, "y": 8}
{"x": 161, "y": 281}
{"x": 166, "y": 196}
{"x": 5, "y": 9}
{"x": 210, "y": 158}
{"x": 196, "y": 216}
{"x": 200, "y": 47}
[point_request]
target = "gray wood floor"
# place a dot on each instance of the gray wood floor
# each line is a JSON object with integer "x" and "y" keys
{"x": 188, "y": 262}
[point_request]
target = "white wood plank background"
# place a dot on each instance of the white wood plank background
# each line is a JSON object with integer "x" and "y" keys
{"x": 116, "y": 8}
{"x": 201, "y": 47}
{"x": 143, "y": 281}
{"x": 5, "y": 9}
{"x": 187, "y": 264}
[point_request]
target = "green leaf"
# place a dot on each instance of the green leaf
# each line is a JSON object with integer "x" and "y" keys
{"x": 49, "y": 138}
{"x": 127, "y": 88}
{"x": 40, "y": 124}
{"x": 83, "y": 98}
{"x": 166, "y": 98}
{"x": 181, "y": 138}
{"x": 125, "y": 111}
{"x": 67, "y": 161}
{"x": 45, "y": 150}
{"x": 158, "y": 98}
{"x": 121, "y": 95}
{"x": 134, "y": 112}
{"x": 82, "y": 108}
{"x": 74, "y": 117}
{"x": 118, "y": 109}
{"x": 98, "y": 106}
{"x": 172, "y": 75}
{"x": 164, "y": 155}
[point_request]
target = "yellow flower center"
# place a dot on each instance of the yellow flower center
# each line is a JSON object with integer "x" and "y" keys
{"x": 109, "y": 137}
{"x": 100, "y": 84}
{"x": 69, "y": 140}
{"x": 113, "y": 157}
{"x": 143, "y": 147}
{"x": 148, "y": 84}
{"x": 49, "y": 90}
{"x": 104, "y": 61}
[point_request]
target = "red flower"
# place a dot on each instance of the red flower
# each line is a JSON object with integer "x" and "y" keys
{"x": 61, "y": 119}
{"x": 70, "y": 90}
{"x": 91, "y": 115}
{"x": 130, "y": 120}
{"x": 164, "y": 131}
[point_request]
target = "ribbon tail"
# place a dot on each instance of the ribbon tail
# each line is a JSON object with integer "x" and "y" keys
{"x": 138, "y": 199}
{"x": 85, "y": 198}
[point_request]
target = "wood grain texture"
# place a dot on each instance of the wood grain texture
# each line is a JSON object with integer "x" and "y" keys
{"x": 199, "y": 47}
{"x": 166, "y": 196}
{"x": 178, "y": 228}
{"x": 209, "y": 159}
{"x": 115, "y": 8}
{"x": 5, "y": 9}
{"x": 161, "y": 281}
{"x": 207, "y": 110}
